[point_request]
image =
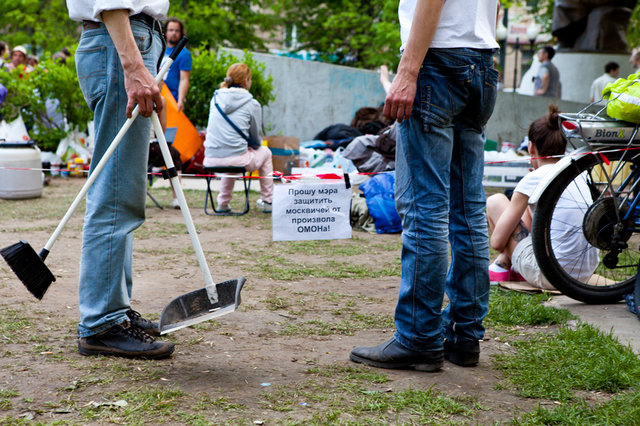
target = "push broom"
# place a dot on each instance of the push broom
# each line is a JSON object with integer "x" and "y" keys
{"x": 22, "y": 258}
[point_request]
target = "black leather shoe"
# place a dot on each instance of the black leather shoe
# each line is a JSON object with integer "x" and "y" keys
{"x": 125, "y": 340}
{"x": 150, "y": 327}
{"x": 465, "y": 353}
{"x": 392, "y": 354}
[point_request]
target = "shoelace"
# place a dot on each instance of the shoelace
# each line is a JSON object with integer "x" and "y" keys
{"x": 134, "y": 315}
{"x": 137, "y": 332}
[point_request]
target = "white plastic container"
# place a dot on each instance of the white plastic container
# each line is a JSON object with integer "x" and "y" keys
{"x": 15, "y": 184}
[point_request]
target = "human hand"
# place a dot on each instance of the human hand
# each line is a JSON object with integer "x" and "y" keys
{"x": 180, "y": 106}
{"x": 399, "y": 101}
{"x": 142, "y": 89}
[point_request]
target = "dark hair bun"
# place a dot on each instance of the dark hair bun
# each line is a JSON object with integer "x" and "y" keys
{"x": 552, "y": 117}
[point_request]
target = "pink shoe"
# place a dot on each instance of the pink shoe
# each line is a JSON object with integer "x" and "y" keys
{"x": 515, "y": 276}
{"x": 496, "y": 277}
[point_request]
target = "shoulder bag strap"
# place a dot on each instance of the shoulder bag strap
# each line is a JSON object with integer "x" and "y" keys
{"x": 249, "y": 139}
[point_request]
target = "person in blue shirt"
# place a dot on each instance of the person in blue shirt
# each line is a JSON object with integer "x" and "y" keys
{"x": 177, "y": 79}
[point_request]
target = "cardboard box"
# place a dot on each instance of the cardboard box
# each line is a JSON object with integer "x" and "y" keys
{"x": 285, "y": 152}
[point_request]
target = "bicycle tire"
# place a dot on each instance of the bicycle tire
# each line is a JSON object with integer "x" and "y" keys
{"x": 607, "y": 284}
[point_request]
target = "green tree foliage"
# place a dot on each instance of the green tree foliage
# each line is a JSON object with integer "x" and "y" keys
{"x": 228, "y": 23}
{"x": 633, "y": 30}
{"x": 43, "y": 26}
{"x": 362, "y": 33}
{"x": 28, "y": 94}
{"x": 209, "y": 70}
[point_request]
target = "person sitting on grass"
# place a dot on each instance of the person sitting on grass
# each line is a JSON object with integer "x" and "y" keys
{"x": 228, "y": 146}
{"x": 510, "y": 220}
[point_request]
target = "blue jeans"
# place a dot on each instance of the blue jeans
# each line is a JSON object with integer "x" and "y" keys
{"x": 116, "y": 201}
{"x": 440, "y": 198}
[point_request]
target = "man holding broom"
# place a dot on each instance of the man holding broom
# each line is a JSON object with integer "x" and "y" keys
{"x": 118, "y": 53}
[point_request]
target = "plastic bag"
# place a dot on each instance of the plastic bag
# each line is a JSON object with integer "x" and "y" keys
{"x": 15, "y": 131}
{"x": 72, "y": 146}
{"x": 624, "y": 98}
{"x": 380, "y": 197}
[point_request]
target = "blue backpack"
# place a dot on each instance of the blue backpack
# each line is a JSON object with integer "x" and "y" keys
{"x": 379, "y": 195}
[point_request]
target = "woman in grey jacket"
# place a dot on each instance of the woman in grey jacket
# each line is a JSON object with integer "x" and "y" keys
{"x": 226, "y": 146}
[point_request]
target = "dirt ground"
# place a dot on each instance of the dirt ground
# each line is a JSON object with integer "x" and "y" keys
{"x": 302, "y": 311}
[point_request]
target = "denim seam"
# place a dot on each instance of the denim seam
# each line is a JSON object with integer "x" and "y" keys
{"x": 473, "y": 246}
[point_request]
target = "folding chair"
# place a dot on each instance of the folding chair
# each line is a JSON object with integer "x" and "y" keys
{"x": 208, "y": 197}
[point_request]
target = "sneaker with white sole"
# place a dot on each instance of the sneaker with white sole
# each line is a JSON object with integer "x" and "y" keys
{"x": 223, "y": 208}
{"x": 266, "y": 207}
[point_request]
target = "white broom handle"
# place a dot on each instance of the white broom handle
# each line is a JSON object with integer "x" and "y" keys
{"x": 184, "y": 208}
{"x": 94, "y": 174}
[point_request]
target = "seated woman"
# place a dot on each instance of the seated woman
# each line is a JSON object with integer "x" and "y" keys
{"x": 510, "y": 220}
{"x": 225, "y": 146}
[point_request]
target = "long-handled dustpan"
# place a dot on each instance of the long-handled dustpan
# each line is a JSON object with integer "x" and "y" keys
{"x": 213, "y": 300}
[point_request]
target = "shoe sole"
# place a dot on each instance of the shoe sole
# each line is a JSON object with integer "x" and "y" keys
{"x": 428, "y": 367}
{"x": 107, "y": 352}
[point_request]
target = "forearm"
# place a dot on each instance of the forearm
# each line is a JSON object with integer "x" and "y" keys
{"x": 117, "y": 23}
{"x": 423, "y": 28}
{"x": 399, "y": 101}
{"x": 140, "y": 85}
{"x": 183, "y": 87}
{"x": 544, "y": 85}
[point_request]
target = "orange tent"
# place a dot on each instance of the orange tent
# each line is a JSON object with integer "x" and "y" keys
{"x": 187, "y": 140}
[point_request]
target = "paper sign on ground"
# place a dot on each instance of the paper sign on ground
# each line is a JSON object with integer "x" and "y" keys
{"x": 311, "y": 211}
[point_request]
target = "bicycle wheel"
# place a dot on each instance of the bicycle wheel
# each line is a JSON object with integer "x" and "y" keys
{"x": 590, "y": 201}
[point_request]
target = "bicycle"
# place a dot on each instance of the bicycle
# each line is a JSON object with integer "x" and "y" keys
{"x": 605, "y": 154}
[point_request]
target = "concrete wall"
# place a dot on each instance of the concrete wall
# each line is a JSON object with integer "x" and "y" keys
{"x": 313, "y": 95}
{"x": 514, "y": 113}
{"x": 579, "y": 69}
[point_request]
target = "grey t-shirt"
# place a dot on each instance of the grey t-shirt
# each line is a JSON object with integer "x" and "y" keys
{"x": 553, "y": 91}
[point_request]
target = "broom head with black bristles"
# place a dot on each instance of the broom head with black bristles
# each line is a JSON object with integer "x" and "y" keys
{"x": 29, "y": 267}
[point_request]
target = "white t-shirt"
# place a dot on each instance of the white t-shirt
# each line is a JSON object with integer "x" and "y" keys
{"x": 90, "y": 10}
{"x": 463, "y": 23}
{"x": 597, "y": 86}
{"x": 578, "y": 258}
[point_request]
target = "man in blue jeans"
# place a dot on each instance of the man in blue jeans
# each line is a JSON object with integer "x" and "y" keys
{"x": 443, "y": 95}
{"x": 116, "y": 59}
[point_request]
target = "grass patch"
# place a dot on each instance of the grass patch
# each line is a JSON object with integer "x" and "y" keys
{"x": 13, "y": 325}
{"x": 554, "y": 367}
{"x": 280, "y": 268}
{"x": 511, "y": 308}
{"x": 352, "y": 322}
{"x": 621, "y": 410}
{"x": 340, "y": 394}
{"x": 157, "y": 403}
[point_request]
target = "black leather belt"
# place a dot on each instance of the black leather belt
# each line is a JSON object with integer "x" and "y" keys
{"x": 140, "y": 17}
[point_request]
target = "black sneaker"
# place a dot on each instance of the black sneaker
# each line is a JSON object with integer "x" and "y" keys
{"x": 125, "y": 340}
{"x": 465, "y": 353}
{"x": 150, "y": 327}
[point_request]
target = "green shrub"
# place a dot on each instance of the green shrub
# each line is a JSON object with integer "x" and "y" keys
{"x": 209, "y": 69}
{"x": 28, "y": 93}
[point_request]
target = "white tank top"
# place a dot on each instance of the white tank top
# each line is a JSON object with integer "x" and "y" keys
{"x": 463, "y": 23}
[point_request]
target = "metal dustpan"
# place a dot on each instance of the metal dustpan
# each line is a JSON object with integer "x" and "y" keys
{"x": 213, "y": 300}
{"x": 201, "y": 305}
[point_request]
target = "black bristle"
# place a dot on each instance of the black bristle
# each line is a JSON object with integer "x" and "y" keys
{"x": 29, "y": 268}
